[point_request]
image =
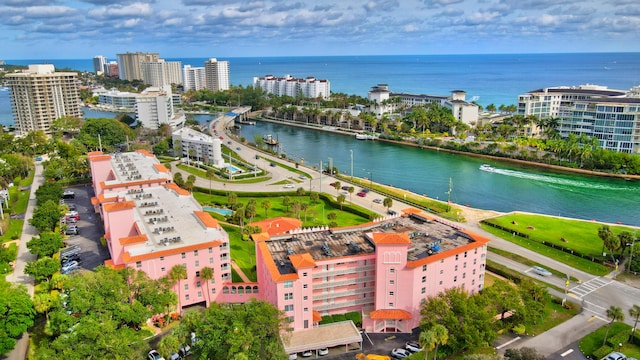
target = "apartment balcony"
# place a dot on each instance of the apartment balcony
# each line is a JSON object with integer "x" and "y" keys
{"x": 343, "y": 293}
{"x": 330, "y": 284}
{"x": 343, "y": 304}
{"x": 347, "y": 271}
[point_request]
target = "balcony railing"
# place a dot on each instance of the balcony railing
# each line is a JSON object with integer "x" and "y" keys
{"x": 337, "y": 294}
{"x": 354, "y": 270}
{"x": 330, "y": 284}
{"x": 343, "y": 304}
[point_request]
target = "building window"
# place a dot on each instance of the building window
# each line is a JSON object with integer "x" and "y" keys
{"x": 424, "y": 267}
{"x": 441, "y": 272}
{"x": 197, "y": 263}
{"x": 464, "y": 275}
{"x": 184, "y": 255}
{"x": 210, "y": 260}
{"x": 440, "y": 282}
{"x": 473, "y": 282}
{"x": 391, "y": 282}
{"x": 197, "y": 273}
{"x": 213, "y": 290}
{"x": 138, "y": 264}
{"x": 288, "y": 284}
{"x": 304, "y": 274}
{"x": 198, "y": 284}
{"x": 424, "y": 279}
{"x": 424, "y": 290}
{"x": 392, "y": 270}
{"x": 304, "y": 286}
{"x": 199, "y": 293}
{"x": 456, "y": 256}
{"x": 186, "y": 287}
{"x": 465, "y": 254}
{"x": 390, "y": 305}
{"x": 288, "y": 296}
{"x": 186, "y": 297}
{"x": 475, "y": 261}
{"x": 195, "y": 252}
{"x": 305, "y": 309}
{"x": 305, "y": 298}
{"x": 210, "y": 250}
{"x": 288, "y": 307}
{"x": 184, "y": 265}
{"x": 455, "y": 268}
{"x": 464, "y": 265}
{"x": 163, "y": 269}
{"x": 391, "y": 293}
{"x": 441, "y": 261}
{"x": 475, "y": 251}
{"x": 161, "y": 258}
{"x": 455, "y": 279}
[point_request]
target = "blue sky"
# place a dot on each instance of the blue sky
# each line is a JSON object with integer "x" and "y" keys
{"x": 61, "y": 29}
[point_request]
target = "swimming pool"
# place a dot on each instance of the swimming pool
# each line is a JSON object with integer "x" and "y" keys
{"x": 225, "y": 212}
{"x": 232, "y": 169}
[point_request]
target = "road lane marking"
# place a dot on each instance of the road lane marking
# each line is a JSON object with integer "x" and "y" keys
{"x": 566, "y": 353}
{"x": 507, "y": 343}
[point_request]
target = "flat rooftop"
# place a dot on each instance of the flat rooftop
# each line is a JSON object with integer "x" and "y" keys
{"x": 427, "y": 238}
{"x": 168, "y": 220}
{"x": 133, "y": 166}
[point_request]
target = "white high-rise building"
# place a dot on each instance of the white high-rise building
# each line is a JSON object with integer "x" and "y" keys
{"x": 217, "y": 74}
{"x": 99, "y": 64}
{"x": 193, "y": 78}
{"x": 129, "y": 67}
{"x": 154, "y": 107}
{"x": 160, "y": 73}
{"x": 41, "y": 95}
{"x": 198, "y": 146}
{"x": 291, "y": 86}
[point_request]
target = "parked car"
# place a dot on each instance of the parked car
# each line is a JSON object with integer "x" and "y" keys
{"x": 541, "y": 271}
{"x": 345, "y": 187}
{"x": 272, "y": 164}
{"x": 67, "y": 269}
{"x": 399, "y": 353}
{"x": 293, "y": 356}
{"x": 323, "y": 352}
{"x": 71, "y": 230}
{"x": 616, "y": 356}
{"x": 72, "y": 214}
{"x": 38, "y": 158}
{"x": 154, "y": 355}
{"x": 238, "y": 148}
{"x": 184, "y": 350}
{"x": 68, "y": 194}
{"x": 307, "y": 353}
{"x": 365, "y": 190}
{"x": 72, "y": 206}
{"x": 362, "y": 194}
{"x": 64, "y": 259}
{"x": 377, "y": 201}
{"x": 391, "y": 212}
{"x": 289, "y": 186}
{"x": 413, "y": 346}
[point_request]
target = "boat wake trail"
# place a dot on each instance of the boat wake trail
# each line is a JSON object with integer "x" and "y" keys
{"x": 564, "y": 181}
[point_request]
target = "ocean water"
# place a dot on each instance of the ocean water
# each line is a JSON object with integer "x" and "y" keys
{"x": 497, "y": 79}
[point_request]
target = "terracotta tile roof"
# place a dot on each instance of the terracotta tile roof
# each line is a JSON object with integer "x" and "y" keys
{"x": 263, "y": 236}
{"x": 109, "y": 263}
{"x": 122, "y": 205}
{"x": 177, "y": 189}
{"x": 93, "y": 153}
{"x": 390, "y": 314}
{"x": 411, "y": 211}
{"x": 161, "y": 168}
{"x": 101, "y": 199}
{"x": 300, "y": 261}
{"x": 206, "y": 219}
{"x": 271, "y": 265}
{"x": 99, "y": 157}
{"x": 133, "y": 239}
{"x": 479, "y": 242}
{"x": 391, "y": 239}
{"x": 144, "y": 152}
{"x": 278, "y": 225}
{"x": 316, "y": 316}
{"x": 128, "y": 258}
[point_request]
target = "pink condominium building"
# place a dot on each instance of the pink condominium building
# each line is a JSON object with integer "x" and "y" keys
{"x": 153, "y": 225}
{"x": 384, "y": 269}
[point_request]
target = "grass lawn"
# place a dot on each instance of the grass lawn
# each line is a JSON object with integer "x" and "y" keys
{"x": 581, "y": 236}
{"x": 572, "y": 260}
{"x": 554, "y": 315}
{"x": 14, "y": 231}
{"x": 593, "y": 341}
{"x": 313, "y": 216}
{"x": 526, "y": 261}
{"x": 242, "y": 252}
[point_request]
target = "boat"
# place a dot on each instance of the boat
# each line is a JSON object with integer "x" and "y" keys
{"x": 364, "y": 137}
{"x": 269, "y": 140}
{"x": 487, "y": 167}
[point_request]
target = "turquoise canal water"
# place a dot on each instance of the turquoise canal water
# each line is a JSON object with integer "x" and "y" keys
{"x": 508, "y": 188}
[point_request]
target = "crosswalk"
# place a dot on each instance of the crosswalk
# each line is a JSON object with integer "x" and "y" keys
{"x": 590, "y": 286}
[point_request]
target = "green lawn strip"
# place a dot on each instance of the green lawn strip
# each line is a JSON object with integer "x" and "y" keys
{"x": 566, "y": 258}
{"x": 525, "y": 261}
{"x": 554, "y": 315}
{"x": 580, "y": 236}
{"x": 243, "y": 252}
{"x": 314, "y": 214}
{"x": 515, "y": 276}
{"x": 592, "y": 342}
{"x": 14, "y": 231}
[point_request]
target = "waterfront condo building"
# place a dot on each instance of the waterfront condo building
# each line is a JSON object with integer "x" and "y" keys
{"x": 216, "y": 74}
{"x": 197, "y": 146}
{"x": 193, "y": 78}
{"x": 41, "y": 95}
{"x": 114, "y": 100}
{"x": 154, "y": 107}
{"x": 159, "y": 73}
{"x": 153, "y": 225}
{"x": 611, "y": 116}
{"x": 294, "y": 87}
{"x": 99, "y": 64}
{"x": 383, "y": 102}
{"x": 384, "y": 269}
{"x": 130, "y": 64}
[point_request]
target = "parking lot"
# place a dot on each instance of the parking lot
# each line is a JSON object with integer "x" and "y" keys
{"x": 92, "y": 253}
{"x": 380, "y": 344}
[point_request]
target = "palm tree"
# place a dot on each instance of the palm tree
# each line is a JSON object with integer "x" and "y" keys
{"x": 428, "y": 341}
{"x": 634, "y": 312}
{"x": 206, "y": 274}
{"x": 388, "y": 203}
{"x": 604, "y": 233}
{"x": 351, "y": 190}
{"x": 210, "y": 174}
{"x": 615, "y": 314}
{"x": 337, "y": 186}
{"x": 266, "y": 205}
{"x": 176, "y": 274}
{"x": 441, "y": 336}
{"x": 340, "y": 200}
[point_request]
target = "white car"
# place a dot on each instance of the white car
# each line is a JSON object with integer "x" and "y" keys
{"x": 399, "y": 353}
{"x": 323, "y": 352}
{"x": 413, "y": 346}
{"x": 289, "y": 186}
{"x": 154, "y": 355}
{"x": 308, "y": 353}
{"x": 541, "y": 271}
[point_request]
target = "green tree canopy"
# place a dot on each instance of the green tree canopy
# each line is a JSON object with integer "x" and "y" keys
{"x": 42, "y": 269}
{"x": 107, "y": 133}
{"x": 47, "y": 244}
{"x": 46, "y": 216}
{"x": 16, "y": 314}
{"x": 49, "y": 191}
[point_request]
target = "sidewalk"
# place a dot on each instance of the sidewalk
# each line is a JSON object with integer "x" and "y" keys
{"x": 240, "y": 272}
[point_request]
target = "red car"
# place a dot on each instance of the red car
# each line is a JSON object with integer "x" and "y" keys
{"x": 362, "y": 194}
{"x": 221, "y": 137}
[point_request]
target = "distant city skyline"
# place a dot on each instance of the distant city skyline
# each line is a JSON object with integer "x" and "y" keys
{"x": 74, "y": 29}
